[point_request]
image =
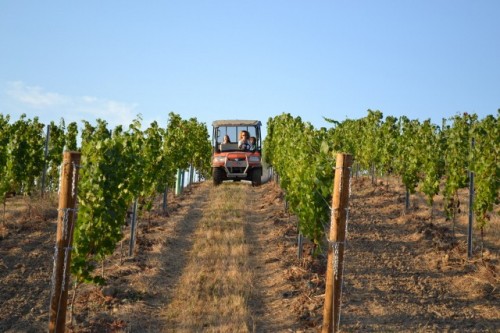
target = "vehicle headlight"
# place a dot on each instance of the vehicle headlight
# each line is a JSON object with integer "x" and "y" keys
{"x": 254, "y": 159}
{"x": 219, "y": 158}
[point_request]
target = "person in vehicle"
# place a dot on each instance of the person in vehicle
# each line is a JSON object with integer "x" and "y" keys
{"x": 252, "y": 143}
{"x": 243, "y": 143}
{"x": 226, "y": 139}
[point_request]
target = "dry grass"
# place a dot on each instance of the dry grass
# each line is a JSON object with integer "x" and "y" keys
{"x": 21, "y": 210}
{"x": 214, "y": 289}
{"x": 24, "y": 207}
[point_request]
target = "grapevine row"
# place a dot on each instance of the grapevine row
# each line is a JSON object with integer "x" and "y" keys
{"x": 118, "y": 166}
{"x": 421, "y": 154}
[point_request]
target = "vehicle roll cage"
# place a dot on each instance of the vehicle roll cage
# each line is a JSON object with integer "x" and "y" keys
{"x": 239, "y": 125}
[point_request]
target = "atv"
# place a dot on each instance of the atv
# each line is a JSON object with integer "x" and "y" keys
{"x": 229, "y": 162}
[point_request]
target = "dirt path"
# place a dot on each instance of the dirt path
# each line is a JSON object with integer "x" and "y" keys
{"x": 231, "y": 279}
{"x": 225, "y": 260}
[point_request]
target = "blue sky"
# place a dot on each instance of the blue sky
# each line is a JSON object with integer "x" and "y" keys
{"x": 248, "y": 59}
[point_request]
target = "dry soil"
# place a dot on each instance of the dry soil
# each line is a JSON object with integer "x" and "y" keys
{"x": 404, "y": 272}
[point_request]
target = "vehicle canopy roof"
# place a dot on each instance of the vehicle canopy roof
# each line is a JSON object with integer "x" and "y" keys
{"x": 222, "y": 123}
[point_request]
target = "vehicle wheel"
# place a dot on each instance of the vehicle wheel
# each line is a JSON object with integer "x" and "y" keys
{"x": 217, "y": 175}
{"x": 256, "y": 177}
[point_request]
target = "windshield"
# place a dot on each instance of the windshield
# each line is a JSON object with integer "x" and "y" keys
{"x": 234, "y": 132}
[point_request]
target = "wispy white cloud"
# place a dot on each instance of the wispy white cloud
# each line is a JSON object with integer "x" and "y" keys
{"x": 112, "y": 111}
{"x": 34, "y": 96}
{"x": 71, "y": 108}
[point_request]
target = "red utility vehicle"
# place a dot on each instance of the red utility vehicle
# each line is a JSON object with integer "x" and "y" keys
{"x": 230, "y": 162}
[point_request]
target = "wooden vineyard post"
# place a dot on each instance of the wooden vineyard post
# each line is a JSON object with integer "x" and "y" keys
{"x": 336, "y": 246}
{"x": 64, "y": 239}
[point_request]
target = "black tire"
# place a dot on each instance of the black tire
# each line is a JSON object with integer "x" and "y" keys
{"x": 256, "y": 177}
{"x": 217, "y": 175}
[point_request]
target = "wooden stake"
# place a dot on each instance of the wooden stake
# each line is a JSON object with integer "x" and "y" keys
{"x": 64, "y": 241}
{"x": 335, "y": 266}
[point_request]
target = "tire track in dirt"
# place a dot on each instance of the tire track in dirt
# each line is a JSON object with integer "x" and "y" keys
{"x": 271, "y": 308}
{"x": 166, "y": 263}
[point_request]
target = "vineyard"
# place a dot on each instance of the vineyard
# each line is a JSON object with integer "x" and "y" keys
{"x": 425, "y": 157}
{"x": 118, "y": 167}
{"x": 236, "y": 258}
